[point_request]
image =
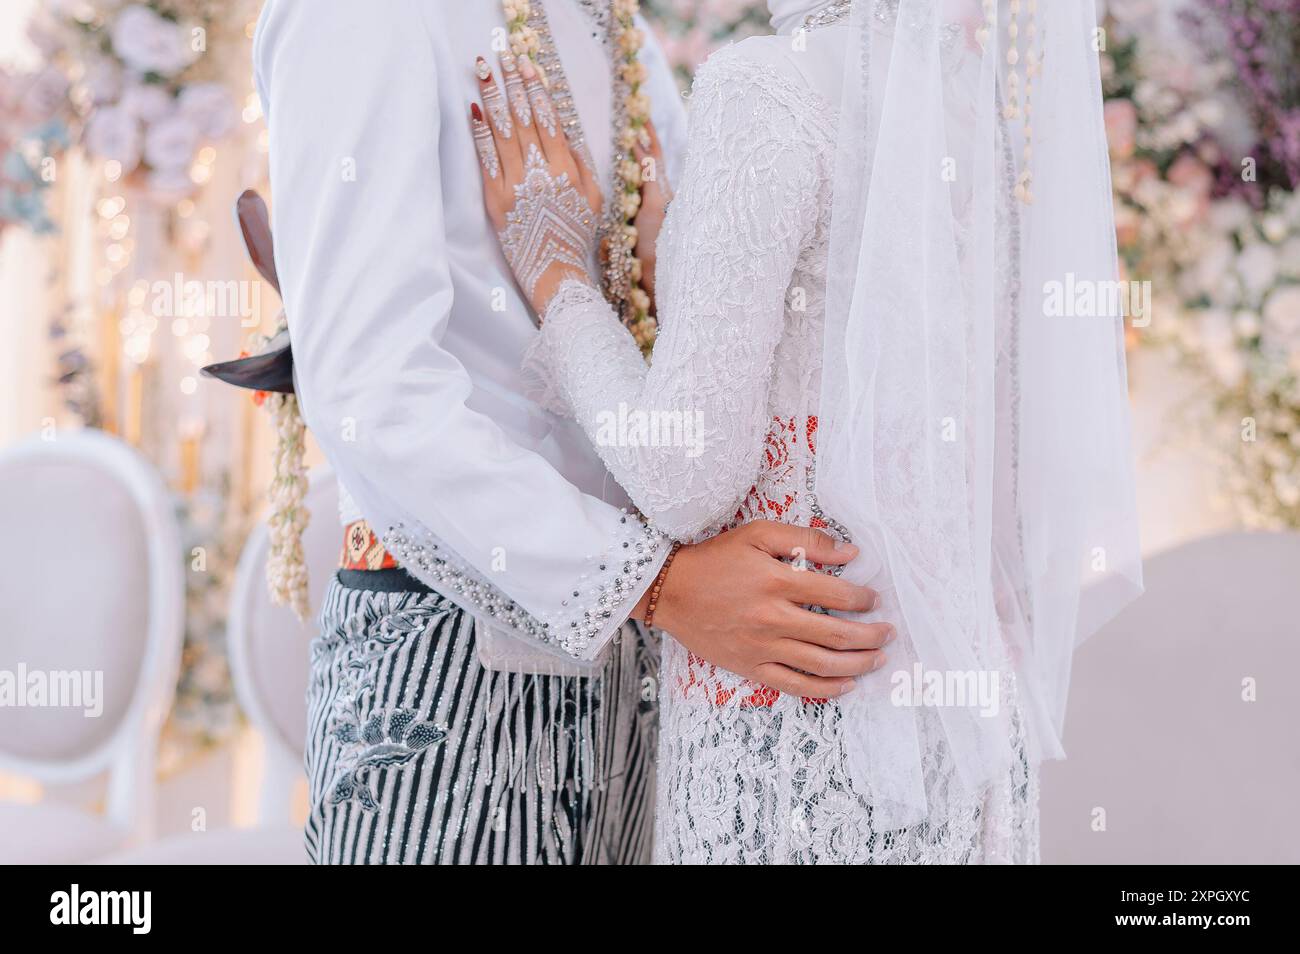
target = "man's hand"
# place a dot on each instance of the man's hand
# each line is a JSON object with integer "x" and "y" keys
{"x": 732, "y": 601}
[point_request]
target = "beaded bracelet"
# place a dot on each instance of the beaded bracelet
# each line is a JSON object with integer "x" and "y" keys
{"x": 659, "y": 585}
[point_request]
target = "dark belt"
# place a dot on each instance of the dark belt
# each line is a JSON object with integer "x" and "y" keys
{"x": 392, "y": 580}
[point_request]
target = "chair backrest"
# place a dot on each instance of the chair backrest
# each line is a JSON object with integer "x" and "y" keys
{"x": 269, "y": 645}
{"x": 1161, "y": 734}
{"x": 93, "y": 601}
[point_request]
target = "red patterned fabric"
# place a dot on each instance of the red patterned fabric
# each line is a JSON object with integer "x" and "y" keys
{"x": 782, "y": 470}
{"x": 362, "y": 549}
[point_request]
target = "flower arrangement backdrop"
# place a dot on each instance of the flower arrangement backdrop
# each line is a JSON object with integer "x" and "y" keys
{"x": 1205, "y": 146}
{"x": 1203, "y": 117}
{"x": 121, "y": 148}
{"x": 129, "y": 128}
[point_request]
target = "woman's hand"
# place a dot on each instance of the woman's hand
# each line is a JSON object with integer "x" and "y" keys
{"x": 542, "y": 199}
{"x": 655, "y": 196}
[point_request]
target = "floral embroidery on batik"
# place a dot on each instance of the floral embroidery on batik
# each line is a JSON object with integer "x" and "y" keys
{"x": 379, "y": 746}
{"x": 375, "y": 739}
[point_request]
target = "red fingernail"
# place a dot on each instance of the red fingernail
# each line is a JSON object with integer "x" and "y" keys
{"x": 476, "y": 112}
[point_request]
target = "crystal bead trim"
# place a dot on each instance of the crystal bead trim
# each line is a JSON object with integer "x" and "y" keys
{"x": 579, "y": 618}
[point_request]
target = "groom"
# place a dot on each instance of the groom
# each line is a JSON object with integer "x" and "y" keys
{"x": 479, "y": 692}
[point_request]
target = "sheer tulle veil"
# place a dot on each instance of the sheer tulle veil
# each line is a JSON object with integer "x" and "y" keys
{"x": 788, "y": 15}
{"x": 974, "y": 431}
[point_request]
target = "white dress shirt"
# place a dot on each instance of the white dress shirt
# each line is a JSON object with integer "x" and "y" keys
{"x": 408, "y": 329}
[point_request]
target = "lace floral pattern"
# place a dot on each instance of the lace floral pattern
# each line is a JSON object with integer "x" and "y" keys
{"x": 748, "y": 775}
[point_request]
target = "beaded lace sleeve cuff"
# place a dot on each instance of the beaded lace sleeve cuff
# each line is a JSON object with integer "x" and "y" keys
{"x": 582, "y": 619}
{"x": 542, "y": 381}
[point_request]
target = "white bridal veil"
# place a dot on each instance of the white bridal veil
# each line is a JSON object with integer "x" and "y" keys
{"x": 974, "y": 438}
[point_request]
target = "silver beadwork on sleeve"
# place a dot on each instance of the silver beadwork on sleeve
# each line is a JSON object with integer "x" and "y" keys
{"x": 601, "y": 598}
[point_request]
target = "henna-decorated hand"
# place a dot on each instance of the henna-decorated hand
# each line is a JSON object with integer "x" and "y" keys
{"x": 542, "y": 199}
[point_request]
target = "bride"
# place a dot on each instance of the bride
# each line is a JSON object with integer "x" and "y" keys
{"x": 850, "y": 291}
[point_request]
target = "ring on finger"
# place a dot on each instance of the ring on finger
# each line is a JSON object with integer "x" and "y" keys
{"x": 516, "y": 92}
{"x": 495, "y": 104}
{"x": 539, "y": 99}
{"x": 487, "y": 148}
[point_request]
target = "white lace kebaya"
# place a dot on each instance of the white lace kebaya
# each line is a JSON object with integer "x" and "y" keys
{"x": 747, "y": 774}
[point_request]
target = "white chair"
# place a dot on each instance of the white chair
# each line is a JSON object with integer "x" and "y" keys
{"x": 269, "y": 645}
{"x": 94, "y": 584}
{"x": 1158, "y": 734}
{"x": 269, "y": 660}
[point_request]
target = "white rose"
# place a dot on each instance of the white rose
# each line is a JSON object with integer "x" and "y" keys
{"x": 1218, "y": 346}
{"x": 1229, "y": 215}
{"x": 1213, "y": 264}
{"x": 1291, "y": 209}
{"x": 79, "y": 9}
{"x": 1246, "y": 324}
{"x": 148, "y": 43}
{"x": 1215, "y": 326}
{"x": 1187, "y": 283}
{"x": 1209, "y": 112}
{"x": 211, "y": 108}
{"x": 1274, "y": 228}
{"x": 1289, "y": 253}
{"x": 147, "y": 102}
{"x": 114, "y": 134}
{"x": 1288, "y": 491}
{"x": 1282, "y": 317}
{"x": 1257, "y": 266}
{"x": 1228, "y": 294}
{"x": 171, "y": 144}
{"x": 1144, "y": 94}
{"x": 1228, "y": 367}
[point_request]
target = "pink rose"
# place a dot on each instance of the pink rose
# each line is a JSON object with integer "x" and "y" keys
{"x": 1195, "y": 181}
{"x": 1128, "y": 225}
{"x": 1190, "y": 173}
{"x": 1121, "y": 127}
